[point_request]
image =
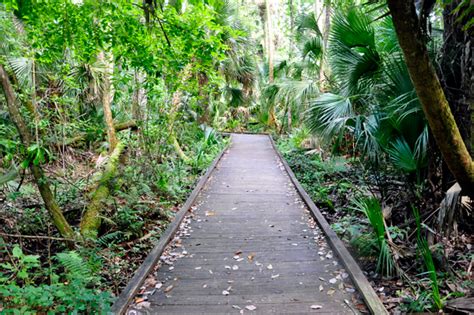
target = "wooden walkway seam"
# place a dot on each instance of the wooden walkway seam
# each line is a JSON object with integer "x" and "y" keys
{"x": 371, "y": 299}
{"x": 121, "y": 304}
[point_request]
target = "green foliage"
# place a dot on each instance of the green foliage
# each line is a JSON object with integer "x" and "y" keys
{"x": 372, "y": 105}
{"x": 372, "y": 209}
{"x": 425, "y": 253}
{"x": 69, "y": 289}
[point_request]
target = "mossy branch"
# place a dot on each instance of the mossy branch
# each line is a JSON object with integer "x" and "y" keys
{"x": 91, "y": 220}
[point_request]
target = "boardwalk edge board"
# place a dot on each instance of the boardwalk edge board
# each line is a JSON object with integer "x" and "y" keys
{"x": 371, "y": 299}
{"x": 121, "y": 304}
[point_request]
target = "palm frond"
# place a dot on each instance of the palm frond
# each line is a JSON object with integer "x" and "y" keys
{"x": 329, "y": 115}
{"x": 23, "y": 69}
{"x": 307, "y": 22}
{"x": 313, "y": 48}
{"x": 402, "y": 156}
{"x": 352, "y": 52}
{"x": 372, "y": 209}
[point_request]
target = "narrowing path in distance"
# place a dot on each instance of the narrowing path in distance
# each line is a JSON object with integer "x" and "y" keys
{"x": 248, "y": 245}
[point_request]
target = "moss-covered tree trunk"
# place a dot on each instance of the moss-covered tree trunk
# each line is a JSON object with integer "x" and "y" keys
{"x": 431, "y": 94}
{"x": 91, "y": 218}
{"x": 172, "y": 119}
{"x": 41, "y": 181}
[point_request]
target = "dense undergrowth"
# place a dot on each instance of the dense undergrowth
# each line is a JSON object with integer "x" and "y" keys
{"x": 43, "y": 275}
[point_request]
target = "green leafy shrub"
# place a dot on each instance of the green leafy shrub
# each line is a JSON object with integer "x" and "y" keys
{"x": 71, "y": 289}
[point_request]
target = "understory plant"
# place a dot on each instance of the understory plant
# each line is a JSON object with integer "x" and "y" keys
{"x": 425, "y": 254}
{"x": 372, "y": 209}
{"x": 71, "y": 286}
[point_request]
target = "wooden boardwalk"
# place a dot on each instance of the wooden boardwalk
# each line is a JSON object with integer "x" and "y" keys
{"x": 248, "y": 246}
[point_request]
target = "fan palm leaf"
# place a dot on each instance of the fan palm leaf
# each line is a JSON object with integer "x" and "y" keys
{"x": 352, "y": 52}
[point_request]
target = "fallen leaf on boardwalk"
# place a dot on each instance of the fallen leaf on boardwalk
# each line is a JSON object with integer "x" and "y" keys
{"x": 139, "y": 300}
{"x": 321, "y": 288}
{"x": 322, "y": 279}
{"x": 270, "y": 267}
{"x": 251, "y": 256}
{"x": 238, "y": 252}
{"x": 198, "y": 268}
{"x": 143, "y": 305}
{"x": 251, "y": 307}
{"x": 209, "y": 213}
{"x": 149, "y": 282}
{"x": 316, "y": 307}
{"x": 236, "y": 307}
{"x": 225, "y": 292}
{"x": 168, "y": 288}
{"x": 333, "y": 280}
{"x": 331, "y": 292}
{"x": 275, "y": 276}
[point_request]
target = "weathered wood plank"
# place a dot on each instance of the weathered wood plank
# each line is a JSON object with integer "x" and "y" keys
{"x": 372, "y": 300}
{"x": 121, "y": 304}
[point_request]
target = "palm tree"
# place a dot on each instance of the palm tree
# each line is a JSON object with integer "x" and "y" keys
{"x": 374, "y": 101}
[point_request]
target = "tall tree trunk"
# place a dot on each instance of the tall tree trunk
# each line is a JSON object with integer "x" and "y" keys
{"x": 137, "y": 98}
{"x": 107, "y": 99}
{"x": 431, "y": 94}
{"x": 41, "y": 181}
{"x": 292, "y": 27}
{"x": 270, "y": 51}
{"x": 323, "y": 68}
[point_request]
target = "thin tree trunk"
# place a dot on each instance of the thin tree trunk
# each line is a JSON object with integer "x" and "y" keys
{"x": 136, "y": 108}
{"x": 268, "y": 19}
{"x": 107, "y": 99}
{"x": 292, "y": 27}
{"x": 41, "y": 181}
{"x": 431, "y": 94}
{"x": 323, "y": 69}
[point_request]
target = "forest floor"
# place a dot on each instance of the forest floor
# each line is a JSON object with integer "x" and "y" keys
{"x": 335, "y": 183}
